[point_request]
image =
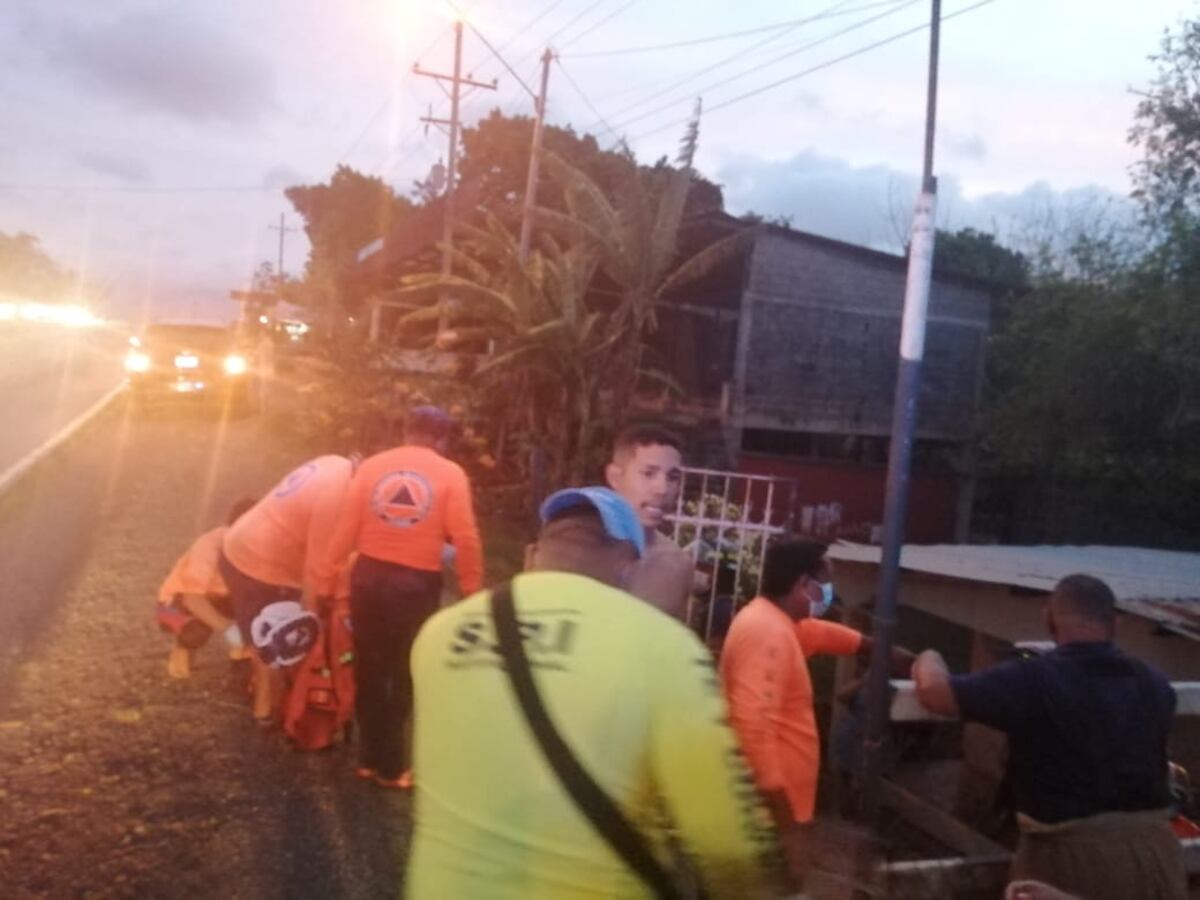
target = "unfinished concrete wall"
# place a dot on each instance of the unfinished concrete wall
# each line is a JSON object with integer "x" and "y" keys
{"x": 820, "y": 331}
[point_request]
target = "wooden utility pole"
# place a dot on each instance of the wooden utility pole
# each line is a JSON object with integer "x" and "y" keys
{"x": 535, "y": 159}
{"x": 283, "y": 231}
{"x": 904, "y": 422}
{"x": 456, "y": 82}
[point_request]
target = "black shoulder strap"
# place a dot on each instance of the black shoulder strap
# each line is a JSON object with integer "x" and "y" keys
{"x": 591, "y": 799}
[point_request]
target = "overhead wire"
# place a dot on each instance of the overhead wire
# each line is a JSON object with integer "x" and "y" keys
{"x": 715, "y": 38}
{"x": 716, "y": 85}
{"x": 569, "y": 25}
{"x": 139, "y": 189}
{"x": 817, "y": 68}
{"x": 583, "y": 96}
{"x": 675, "y": 82}
{"x": 387, "y": 100}
{"x": 577, "y": 38}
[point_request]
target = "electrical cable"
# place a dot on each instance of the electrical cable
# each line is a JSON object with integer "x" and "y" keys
{"x": 571, "y": 81}
{"x": 602, "y": 22}
{"x": 716, "y": 85}
{"x": 817, "y": 68}
{"x": 726, "y": 36}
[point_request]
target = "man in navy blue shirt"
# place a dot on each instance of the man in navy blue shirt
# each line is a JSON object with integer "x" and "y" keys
{"x": 1087, "y": 729}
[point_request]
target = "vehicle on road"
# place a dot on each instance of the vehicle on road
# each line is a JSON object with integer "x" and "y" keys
{"x": 177, "y": 362}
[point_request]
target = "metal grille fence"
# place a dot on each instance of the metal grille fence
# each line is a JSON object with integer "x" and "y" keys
{"x": 724, "y": 520}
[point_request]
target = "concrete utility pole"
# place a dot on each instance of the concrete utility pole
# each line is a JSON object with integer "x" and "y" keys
{"x": 535, "y": 159}
{"x": 456, "y": 82}
{"x": 904, "y": 420}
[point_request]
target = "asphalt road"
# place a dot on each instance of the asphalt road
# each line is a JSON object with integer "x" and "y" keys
{"x": 114, "y": 780}
{"x": 49, "y": 375}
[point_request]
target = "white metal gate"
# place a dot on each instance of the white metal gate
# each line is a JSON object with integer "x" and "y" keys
{"x": 725, "y": 519}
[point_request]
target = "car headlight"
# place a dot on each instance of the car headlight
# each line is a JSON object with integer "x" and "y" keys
{"x": 136, "y": 361}
{"x": 235, "y": 365}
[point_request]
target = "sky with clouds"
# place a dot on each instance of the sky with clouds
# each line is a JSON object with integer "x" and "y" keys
{"x": 147, "y": 142}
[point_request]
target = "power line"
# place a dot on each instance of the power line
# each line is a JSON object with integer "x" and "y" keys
{"x": 771, "y": 62}
{"x": 734, "y": 57}
{"x": 817, "y": 68}
{"x": 727, "y": 36}
{"x": 524, "y": 28}
{"x": 592, "y": 6}
{"x": 509, "y": 42}
{"x": 496, "y": 53}
{"x": 139, "y": 189}
{"x": 391, "y": 95}
{"x": 578, "y": 90}
{"x": 602, "y": 22}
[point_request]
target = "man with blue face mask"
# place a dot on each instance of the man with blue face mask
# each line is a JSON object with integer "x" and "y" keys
{"x": 764, "y": 672}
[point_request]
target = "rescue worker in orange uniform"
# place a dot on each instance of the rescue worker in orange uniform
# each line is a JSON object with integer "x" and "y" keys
{"x": 278, "y": 552}
{"x": 764, "y": 671}
{"x": 195, "y": 599}
{"x": 402, "y": 507}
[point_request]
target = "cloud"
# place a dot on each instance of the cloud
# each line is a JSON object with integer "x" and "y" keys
{"x": 964, "y": 146}
{"x": 149, "y": 60}
{"x": 871, "y": 205}
{"x": 125, "y": 168}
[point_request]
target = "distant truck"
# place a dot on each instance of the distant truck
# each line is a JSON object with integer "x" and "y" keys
{"x": 171, "y": 363}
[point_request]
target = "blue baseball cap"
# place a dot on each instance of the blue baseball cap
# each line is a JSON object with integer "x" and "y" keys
{"x": 619, "y": 518}
{"x": 431, "y": 420}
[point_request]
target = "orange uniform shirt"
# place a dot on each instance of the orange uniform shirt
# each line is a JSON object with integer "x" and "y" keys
{"x": 764, "y": 672}
{"x": 402, "y": 506}
{"x": 284, "y": 540}
{"x": 196, "y": 571}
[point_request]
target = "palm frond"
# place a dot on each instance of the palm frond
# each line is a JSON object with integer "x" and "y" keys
{"x": 705, "y": 261}
{"x": 482, "y": 299}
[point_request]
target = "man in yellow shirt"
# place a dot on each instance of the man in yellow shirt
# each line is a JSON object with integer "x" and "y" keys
{"x": 633, "y": 695}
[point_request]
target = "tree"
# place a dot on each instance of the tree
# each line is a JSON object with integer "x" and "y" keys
{"x": 495, "y": 158}
{"x": 977, "y": 254}
{"x": 27, "y": 271}
{"x": 690, "y": 142}
{"x": 554, "y": 353}
{"x": 635, "y": 236}
{"x": 1167, "y": 128}
{"x": 340, "y": 218}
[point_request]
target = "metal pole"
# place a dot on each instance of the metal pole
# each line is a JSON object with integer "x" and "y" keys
{"x": 904, "y": 418}
{"x": 535, "y": 158}
{"x": 451, "y": 170}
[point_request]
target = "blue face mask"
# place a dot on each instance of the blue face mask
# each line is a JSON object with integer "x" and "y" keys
{"x": 818, "y": 610}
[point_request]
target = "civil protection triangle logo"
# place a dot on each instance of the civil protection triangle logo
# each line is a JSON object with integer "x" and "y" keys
{"x": 402, "y": 498}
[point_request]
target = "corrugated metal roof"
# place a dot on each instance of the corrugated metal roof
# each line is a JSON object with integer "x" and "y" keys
{"x": 1161, "y": 585}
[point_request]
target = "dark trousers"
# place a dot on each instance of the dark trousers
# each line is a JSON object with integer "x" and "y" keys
{"x": 388, "y": 605}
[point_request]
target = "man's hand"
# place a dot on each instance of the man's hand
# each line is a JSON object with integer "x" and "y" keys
{"x": 932, "y": 677}
{"x": 901, "y": 661}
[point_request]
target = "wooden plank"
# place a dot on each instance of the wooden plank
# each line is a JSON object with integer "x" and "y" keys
{"x": 905, "y": 707}
{"x": 936, "y": 823}
{"x": 985, "y": 874}
{"x": 923, "y": 878}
